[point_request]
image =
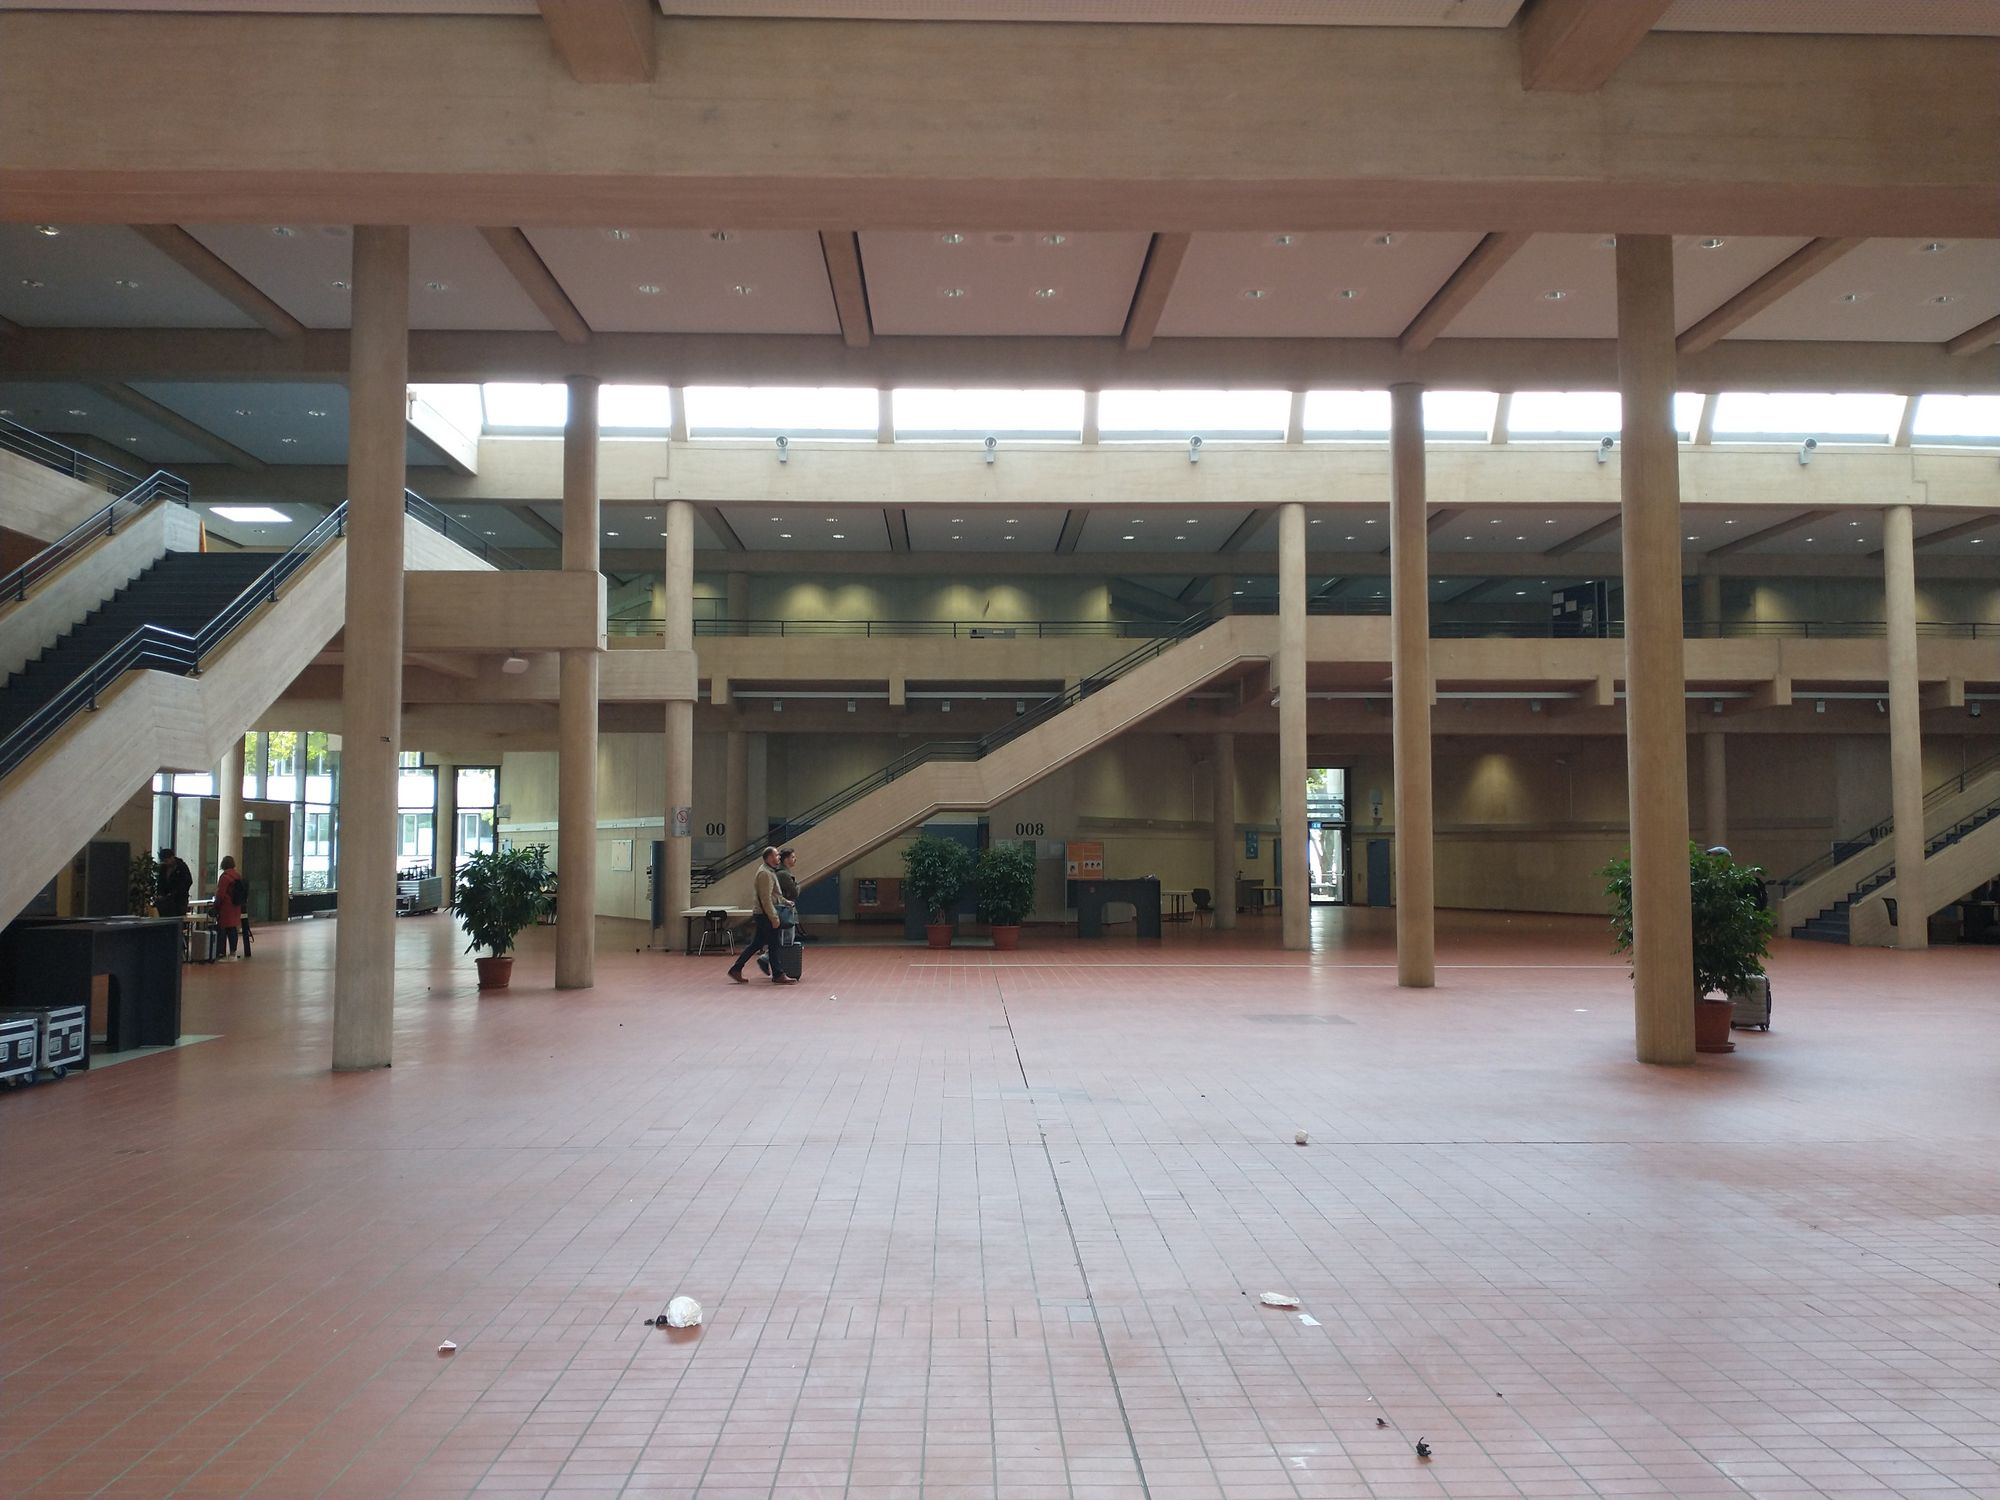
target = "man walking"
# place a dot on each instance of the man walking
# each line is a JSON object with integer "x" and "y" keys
{"x": 175, "y": 883}
{"x": 788, "y": 906}
{"x": 765, "y": 916}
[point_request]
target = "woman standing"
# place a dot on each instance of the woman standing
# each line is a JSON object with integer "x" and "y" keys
{"x": 229, "y": 893}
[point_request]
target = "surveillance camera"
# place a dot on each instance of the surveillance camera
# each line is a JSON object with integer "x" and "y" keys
{"x": 1806, "y": 450}
{"x": 784, "y": 447}
{"x": 991, "y": 444}
{"x": 1604, "y": 447}
{"x": 1194, "y": 449}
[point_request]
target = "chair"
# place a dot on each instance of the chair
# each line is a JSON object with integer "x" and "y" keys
{"x": 714, "y": 928}
{"x": 1204, "y": 903}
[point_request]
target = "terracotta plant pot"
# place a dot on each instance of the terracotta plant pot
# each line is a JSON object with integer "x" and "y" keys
{"x": 1008, "y": 937}
{"x": 495, "y": 973}
{"x": 1711, "y": 1024}
{"x": 938, "y": 934}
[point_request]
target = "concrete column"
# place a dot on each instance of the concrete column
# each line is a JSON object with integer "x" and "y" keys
{"x": 229, "y": 805}
{"x": 757, "y": 797}
{"x": 678, "y": 582}
{"x": 1222, "y": 593}
{"x": 1655, "y": 679}
{"x": 736, "y": 789}
{"x": 1715, "y": 788}
{"x": 576, "y": 792}
{"x": 1709, "y": 586}
{"x": 1294, "y": 880}
{"x": 1410, "y": 658}
{"x": 364, "y": 964}
{"x": 736, "y": 596}
{"x": 1223, "y": 811}
{"x": 1906, "y": 735}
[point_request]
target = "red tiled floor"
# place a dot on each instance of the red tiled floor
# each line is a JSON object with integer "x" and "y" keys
{"x": 994, "y": 1225}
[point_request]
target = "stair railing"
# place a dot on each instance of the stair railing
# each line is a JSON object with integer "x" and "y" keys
{"x": 156, "y": 487}
{"x": 71, "y": 462}
{"x": 954, "y": 750}
{"x": 1950, "y": 787}
{"x": 157, "y": 646}
{"x": 420, "y": 509}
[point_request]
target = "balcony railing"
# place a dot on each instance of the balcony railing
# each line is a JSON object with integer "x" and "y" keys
{"x": 74, "y": 462}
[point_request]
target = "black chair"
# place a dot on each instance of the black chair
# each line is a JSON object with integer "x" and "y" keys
{"x": 1204, "y": 903}
{"x": 715, "y": 928}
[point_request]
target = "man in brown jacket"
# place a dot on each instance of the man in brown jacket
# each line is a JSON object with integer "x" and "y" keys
{"x": 766, "y": 918}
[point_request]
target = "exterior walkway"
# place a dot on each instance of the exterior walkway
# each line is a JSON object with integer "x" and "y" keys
{"x": 975, "y": 1224}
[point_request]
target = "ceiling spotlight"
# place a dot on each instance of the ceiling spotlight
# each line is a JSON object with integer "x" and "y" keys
{"x": 951, "y": 238}
{"x": 954, "y": 291}
{"x": 1932, "y": 247}
{"x": 1385, "y": 239}
{"x": 1848, "y": 297}
{"x": 1943, "y": 297}
{"x": 1712, "y": 244}
{"x": 611, "y": 533}
{"x": 1254, "y": 294}
{"x": 784, "y": 448}
{"x": 649, "y": 289}
{"x": 1348, "y": 293}
{"x": 1045, "y": 292}
{"x": 621, "y": 235}
{"x": 126, "y": 282}
{"x": 1281, "y": 240}
{"x": 31, "y": 282}
{"x": 840, "y": 536}
{"x": 1609, "y": 242}
{"x": 1055, "y": 239}
{"x": 990, "y": 445}
{"x": 284, "y": 231}
{"x": 1194, "y": 449}
{"x": 242, "y": 411}
{"x": 338, "y": 286}
{"x": 514, "y": 666}
{"x": 314, "y": 411}
{"x": 743, "y": 290}
{"x": 1021, "y": 707}
{"x": 1806, "y": 451}
{"x": 1604, "y": 447}
{"x": 287, "y": 440}
{"x": 1554, "y": 295}
{"x": 48, "y": 229}
{"x": 1128, "y": 536}
{"x": 77, "y": 411}
{"x": 436, "y": 286}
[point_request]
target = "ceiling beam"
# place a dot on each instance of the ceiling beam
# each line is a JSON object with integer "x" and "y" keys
{"x": 1464, "y": 284}
{"x": 1764, "y": 534}
{"x": 896, "y": 521}
{"x": 675, "y": 359}
{"x": 1982, "y": 336}
{"x": 1251, "y": 524}
{"x": 535, "y": 278}
{"x": 9, "y": 330}
{"x": 719, "y": 524}
{"x": 1953, "y": 533}
{"x": 1471, "y": 593}
{"x": 145, "y": 406}
{"x": 1074, "y": 520}
{"x": 533, "y": 519}
{"x": 1584, "y": 537}
{"x": 464, "y": 668}
{"x": 202, "y": 263}
{"x": 1574, "y": 46}
{"x": 603, "y": 41}
{"x": 1156, "y": 284}
{"x": 1794, "y": 271}
{"x": 1435, "y": 522}
{"x": 841, "y": 249}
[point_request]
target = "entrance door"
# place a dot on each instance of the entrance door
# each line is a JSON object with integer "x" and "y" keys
{"x": 1326, "y": 835}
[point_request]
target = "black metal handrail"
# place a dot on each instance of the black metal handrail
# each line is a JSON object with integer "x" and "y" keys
{"x": 650, "y": 625}
{"x": 156, "y": 487}
{"x": 73, "y": 462}
{"x": 1845, "y": 849}
{"x": 158, "y": 646}
{"x": 422, "y": 510}
{"x": 955, "y": 750}
{"x": 1882, "y": 874}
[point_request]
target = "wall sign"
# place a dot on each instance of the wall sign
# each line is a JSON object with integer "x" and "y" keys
{"x": 681, "y": 825}
{"x": 1250, "y": 843}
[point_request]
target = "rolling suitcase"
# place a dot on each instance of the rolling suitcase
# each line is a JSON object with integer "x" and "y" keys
{"x": 59, "y": 1043}
{"x": 787, "y": 957}
{"x": 20, "y": 1036}
{"x": 204, "y": 944}
{"x": 1753, "y": 1006}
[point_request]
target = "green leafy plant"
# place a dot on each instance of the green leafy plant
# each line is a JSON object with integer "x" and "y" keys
{"x": 1732, "y": 932}
{"x": 1005, "y": 879}
{"x": 142, "y": 883}
{"x": 934, "y": 873}
{"x": 499, "y": 893}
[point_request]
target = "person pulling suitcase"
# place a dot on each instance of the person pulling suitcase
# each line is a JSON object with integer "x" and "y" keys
{"x": 789, "y": 963}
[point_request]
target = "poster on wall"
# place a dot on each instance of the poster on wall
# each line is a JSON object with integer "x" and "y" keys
{"x": 1250, "y": 843}
{"x": 621, "y": 854}
{"x": 1083, "y": 861}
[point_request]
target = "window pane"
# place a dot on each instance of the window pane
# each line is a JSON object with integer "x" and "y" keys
{"x": 1459, "y": 416}
{"x": 459, "y": 405}
{"x": 773, "y": 410}
{"x": 1564, "y": 414}
{"x": 416, "y": 790}
{"x": 477, "y": 786}
{"x": 1175, "y": 416}
{"x": 525, "y": 408}
{"x": 936, "y": 415}
{"x": 1957, "y": 419}
{"x": 1349, "y": 415}
{"x": 194, "y": 783}
{"x": 1687, "y": 412}
{"x": 1786, "y": 416}
{"x": 635, "y": 408}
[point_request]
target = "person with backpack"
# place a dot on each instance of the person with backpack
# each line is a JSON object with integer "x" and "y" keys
{"x": 230, "y": 892}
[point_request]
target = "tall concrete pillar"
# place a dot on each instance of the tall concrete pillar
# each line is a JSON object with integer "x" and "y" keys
{"x": 1294, "y": 880}
{"x": 678, "y": 581}
{"x": 1655, "y": 678}
{"x": 576, "y": 792}
{"x": 364, "y": 964}
{"x": 1709, "y": 594}
{"x": 736, "y": 596}
{"x": 736, "y": 789}
{"x": 1222, "y": 799}
{"x": 1906, "y": 734}
{"x": 1410, "y": 666}
{"x": 229, "y": 805}
{"x": 1715, "y": 788}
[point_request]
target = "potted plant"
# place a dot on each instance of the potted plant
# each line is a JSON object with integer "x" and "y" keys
{"x": 934, "y": 874}
{"x": 1005, "y": 879}
{"x": 1732, "y": 935}
{"x": 497, "y": 894}
{"x": 142, "y": 885}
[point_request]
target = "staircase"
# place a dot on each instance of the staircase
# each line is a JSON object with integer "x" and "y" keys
{"x": 181, "y": 592}
{"x": 1953, "y": 811}
{"x": 977, "y": 774}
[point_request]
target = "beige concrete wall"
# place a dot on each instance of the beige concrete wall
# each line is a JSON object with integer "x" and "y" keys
{"x": 67, "y": 596}
{"x": 37, "y": 501}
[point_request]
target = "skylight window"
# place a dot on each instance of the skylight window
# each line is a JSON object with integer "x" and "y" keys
{"x": 1023, "y": 416}
{"x": 1558, "y": 415}
{"x": 1346, "y": 416}
{"x": 460, "y": 405}
{"x": 1175, "y": 416}
{"x": 1687, "y": 413}
{"x": 635, "y": 409}
{"x": 250, "y": 515}
{"x": 1459, "y": 416}
{"x": 1788, "y": 416}
{"x": 1962, "y": 420}
{"x": 800, "y": 411}
{"x": 516, "y": 408}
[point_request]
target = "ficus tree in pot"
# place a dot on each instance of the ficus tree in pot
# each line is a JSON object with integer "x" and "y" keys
{"x": 1732, "y": 933}
{"x": 934, "y": 874}
{"x": 142, "y": 884}
{"x": 1005, "y": 880}
{"x": 497, "y": 894}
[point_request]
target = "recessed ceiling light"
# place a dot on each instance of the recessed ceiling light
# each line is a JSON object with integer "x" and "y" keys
{"x": 436, "y": 286}
{"x": 649, "y": 289}
{"x": 134, "y": 440}
{"x": 1008, "y": 537}
{"x": 954, "y": 291}
{"x": 489, "y": 533}
{"x": 242, "y": 411}
{"x": 1808, "y": 538}
{"x": 287, "y": 440}
{"x": 1520, "y": 593}
{"x": 1045, "y": 292}
{"x": 1347, "y": 293}
{"x": 1712, "y": 243}
{"x": 77, "y": 411}
{"x": 955, "y": 536}
{"x": 1180, "y": 538}
{"x": 29, "y": 281}
{"x": 721, "y": 236}
{"x": 1609, "y": 242}
{"x": 1011, "y": 521}
{"x": 1055, "y": 239}
{"x": 955, "y": 520}
{"x": 1554, "y": 295}
{"x": 743, "y": 289}
{"x": 1128, "y": 536}
{"x": 840, "y": 536}
{"x": 338, "y": 286}
{"x": 1255, "y": 293}
{"x": 48, "y": 229}
{"x": 284, "y": 231}
{"x": 1849, "y": 297}
{"x": 1694, "y": 538}
{"x": 126, "y": 282}
{"x": 620, "y": 235}
{"x": 951, "y": 238}
{"x": 611, "y": 533}
{"x": 314, "y": 411}
{"x": 250, "y": 514}
{"x": 1385, "y": 239}
{"x": 1853, "y": 523}
{"x": 1943, "y": 297}
{"x": 663, "y": 534}
{"x": 1932, "y": 247}
{"x": 1281, "y": 240}
{"x": 785, "y": 536}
